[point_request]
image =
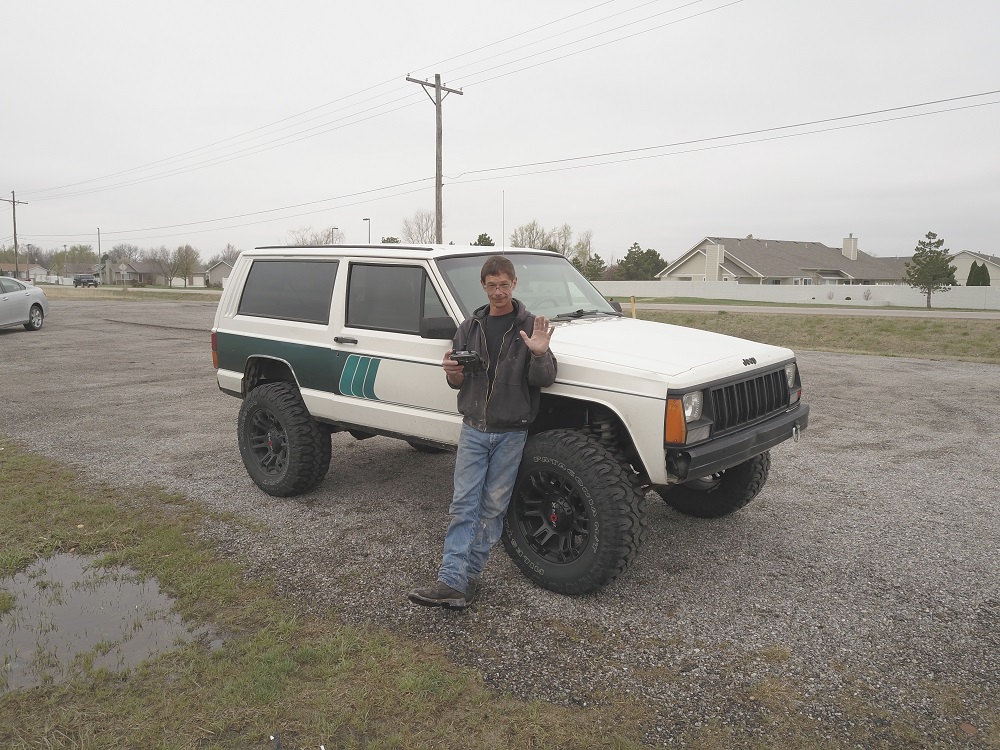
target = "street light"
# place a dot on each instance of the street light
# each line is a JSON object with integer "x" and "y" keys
{"x": 369, "y": 230}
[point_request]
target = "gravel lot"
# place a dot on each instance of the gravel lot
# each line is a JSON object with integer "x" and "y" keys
{"x": 855, "y": 602}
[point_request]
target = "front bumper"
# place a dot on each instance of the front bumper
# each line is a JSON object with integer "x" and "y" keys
{"x": 732, "y": 450}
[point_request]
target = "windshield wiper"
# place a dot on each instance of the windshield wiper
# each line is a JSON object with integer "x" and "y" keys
{"x": 580, "y": 313}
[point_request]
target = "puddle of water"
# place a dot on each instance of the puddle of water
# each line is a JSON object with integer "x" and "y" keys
{"x": 68, "y": 611}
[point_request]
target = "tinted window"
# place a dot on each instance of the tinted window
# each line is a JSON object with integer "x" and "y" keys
{"x": 290, "y": 289}
{"x": 391, "y": 298}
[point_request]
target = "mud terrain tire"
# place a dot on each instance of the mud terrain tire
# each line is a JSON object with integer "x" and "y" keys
{"x": 575, "y": 521}
{"x": 285, "y": 451}
{"x": 720, "y": 494}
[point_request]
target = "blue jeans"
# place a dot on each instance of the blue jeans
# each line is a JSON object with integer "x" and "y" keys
{"x": 485, "y": 472}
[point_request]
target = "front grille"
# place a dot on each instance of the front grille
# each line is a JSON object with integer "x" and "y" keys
{"x": 738, "y": 404}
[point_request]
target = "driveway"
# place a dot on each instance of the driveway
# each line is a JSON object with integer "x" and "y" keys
{"x": 855, "y": 601}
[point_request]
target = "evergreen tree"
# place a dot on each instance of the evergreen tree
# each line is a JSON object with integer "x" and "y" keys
{"x": 930, "y": 270}
{"x": 984, "y": 275}
{"x": 639, "y": 264}
{"x": 973, "y": 279}
{"x": 483, "y": 240}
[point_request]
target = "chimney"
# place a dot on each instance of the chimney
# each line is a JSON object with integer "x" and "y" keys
{"x": 850, "y": 250}
{"x": 715, "y": 256}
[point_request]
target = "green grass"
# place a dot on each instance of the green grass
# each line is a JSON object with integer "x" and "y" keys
{"x": 102, "y": 293}
{"x": 308, "y": 678}
{"x": 925, "y": 338}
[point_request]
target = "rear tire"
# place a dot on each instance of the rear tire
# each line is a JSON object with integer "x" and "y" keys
{"x": 720, "y": 494}
{"x": 284, "y": 449}
{"x": 575, "y": 521}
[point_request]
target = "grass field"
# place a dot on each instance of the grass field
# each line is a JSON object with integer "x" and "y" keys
{"x": 306, "y": 679}
{"x": 924, "y": 338}
{"x": 57, "y": 292}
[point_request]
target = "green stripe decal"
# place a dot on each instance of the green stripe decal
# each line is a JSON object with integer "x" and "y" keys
{"x": 358, "y": 378}
{"x": 369, "y": 389}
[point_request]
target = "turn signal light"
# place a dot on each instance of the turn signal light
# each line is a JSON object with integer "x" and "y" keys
{"x": 675, "y": 426}
{"x": 215, "y": 354}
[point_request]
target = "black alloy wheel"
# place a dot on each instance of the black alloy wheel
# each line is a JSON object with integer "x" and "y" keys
{"x": 284, "y": 449}
{"x": 575, "y": 521}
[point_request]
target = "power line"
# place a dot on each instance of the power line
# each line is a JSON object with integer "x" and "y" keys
{"x": 588, "y": 49}
{"x": 567, "y": 160}
{"x": 753, "y": 132}
{"x": 290, "y": 117}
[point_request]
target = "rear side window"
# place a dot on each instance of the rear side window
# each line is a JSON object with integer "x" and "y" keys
{"x": 298, "y": 290}
{"x": 9, "y": 285}
{"x": 391, "y": 298}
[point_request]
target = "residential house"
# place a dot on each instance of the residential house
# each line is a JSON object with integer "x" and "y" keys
{"x": 756, "y": 261}
{"x": 963, "y": 260}
{"x": 144, "y": 272}
{"x": 216, "y": 272}
{"x": 25, "y": 271}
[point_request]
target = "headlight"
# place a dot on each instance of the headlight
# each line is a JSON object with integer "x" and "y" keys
{"x": 790, "y": 371}
{"x": 692, "y": 405}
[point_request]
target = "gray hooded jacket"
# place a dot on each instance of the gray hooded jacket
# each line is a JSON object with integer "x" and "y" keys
{"x": 512, "y": 403}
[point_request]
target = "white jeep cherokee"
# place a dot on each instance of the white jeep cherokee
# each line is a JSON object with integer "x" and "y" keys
{"x": 316, "y": 340}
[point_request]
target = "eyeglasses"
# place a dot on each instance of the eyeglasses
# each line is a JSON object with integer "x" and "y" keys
{"x": 503, "y": 287}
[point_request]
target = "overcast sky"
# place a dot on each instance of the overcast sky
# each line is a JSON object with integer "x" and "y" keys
{"x": 218, "y": 121}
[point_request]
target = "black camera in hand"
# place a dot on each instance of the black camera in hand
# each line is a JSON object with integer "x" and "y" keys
{"x": 472, "y": 363}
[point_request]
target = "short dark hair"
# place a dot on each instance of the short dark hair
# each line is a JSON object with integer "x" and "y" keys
{"x": 496, "y": 265}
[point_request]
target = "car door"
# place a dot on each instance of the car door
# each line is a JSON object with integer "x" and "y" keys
{"x": 392, "y": 377}
{"x": 13, "y": 302}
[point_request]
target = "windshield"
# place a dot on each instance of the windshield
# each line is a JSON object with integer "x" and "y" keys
{"x": 547, "y": 284}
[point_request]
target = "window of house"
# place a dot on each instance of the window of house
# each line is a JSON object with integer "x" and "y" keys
{"x": 795, "y": 282}
{"x": 298, "y": 290}
{"x": 775, "y": 281}
{"x": 391, "y": 298}
{"x": 807, "y": 282}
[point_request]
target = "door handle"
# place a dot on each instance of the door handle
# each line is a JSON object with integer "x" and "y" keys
{"x": 344, "y": 340}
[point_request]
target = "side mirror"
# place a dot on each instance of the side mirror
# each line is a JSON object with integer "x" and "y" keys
{"x": 437, "y": 328}
{"x": 616, "y": 305}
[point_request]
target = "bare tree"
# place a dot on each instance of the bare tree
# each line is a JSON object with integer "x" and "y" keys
{"x": 124, "y": 253}
{"x": 584, "y": 246}
{"x": 186, "y": 260}
{"x": 530, "y": 235}
{"x": 229, "y": 255}
{"x": 165, "y": 261}
{"x": 562, "y": 240}
{"x": 304, "y": 236}
{"x": 419, "y": 229}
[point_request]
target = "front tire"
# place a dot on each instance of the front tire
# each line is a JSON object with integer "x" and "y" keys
{"x": 720, "y": 494}
{"x": 35, "y": 318}
{"x": 283, "y": 448}
{"x": 575, "y": 521}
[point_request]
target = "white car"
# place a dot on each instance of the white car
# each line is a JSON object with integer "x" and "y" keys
{"x": 316, "y": 340}
{"x": 22, "y": 304}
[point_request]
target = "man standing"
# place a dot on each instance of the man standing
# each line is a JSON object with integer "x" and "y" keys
{"x": 498, "y": 400}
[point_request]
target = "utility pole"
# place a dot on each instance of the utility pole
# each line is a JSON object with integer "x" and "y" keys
{"x": 437, "y": 99}
{"x": 13, "y": 209}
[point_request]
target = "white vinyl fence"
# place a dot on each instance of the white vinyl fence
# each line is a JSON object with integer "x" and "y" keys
{"x": 968, "y": 297}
